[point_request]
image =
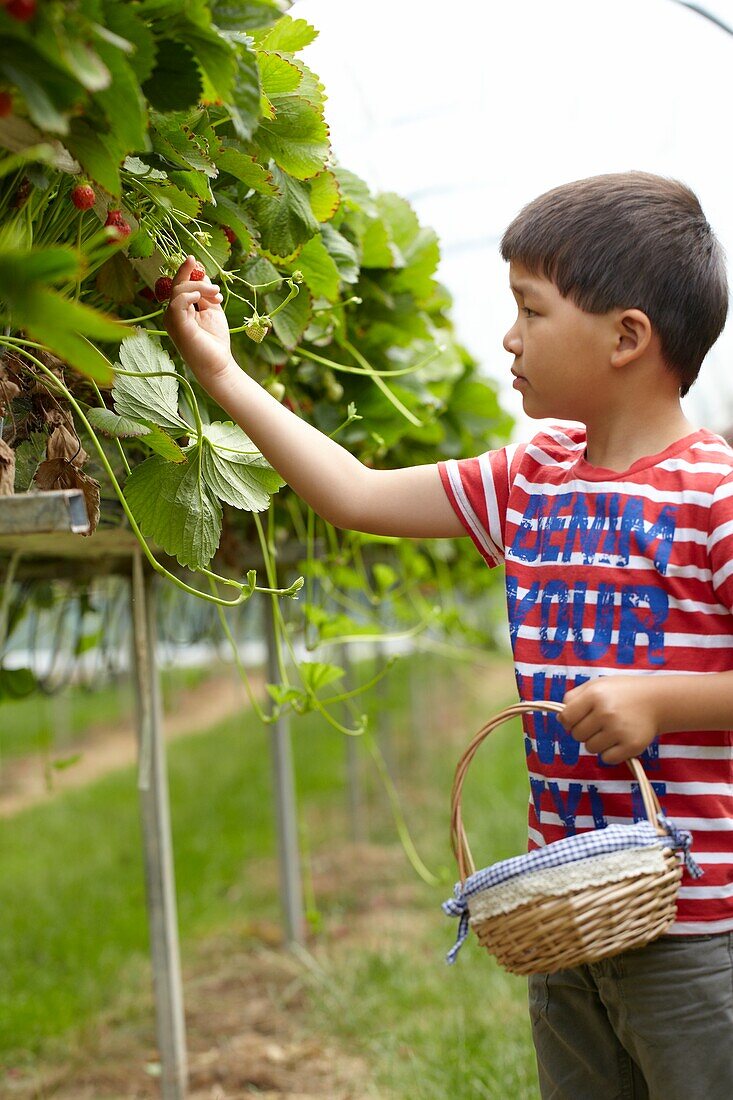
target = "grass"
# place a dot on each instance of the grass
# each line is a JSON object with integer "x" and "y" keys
{"x": 41, "y": 723}
{"x": 75, "y": 928}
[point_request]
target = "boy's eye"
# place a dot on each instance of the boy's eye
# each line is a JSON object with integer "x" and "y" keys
{"x": 528, "y": 311}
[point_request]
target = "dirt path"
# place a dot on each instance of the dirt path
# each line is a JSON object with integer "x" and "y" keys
{"x": 107, "y": 747}
{"x": 248, "y": 1000}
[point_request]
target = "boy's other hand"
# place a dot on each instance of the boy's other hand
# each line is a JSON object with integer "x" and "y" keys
{"x": 200, "y": 334}
{"x": 614, "y": 716}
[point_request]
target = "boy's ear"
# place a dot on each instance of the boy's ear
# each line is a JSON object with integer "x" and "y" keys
{"x": 633, "y": 335}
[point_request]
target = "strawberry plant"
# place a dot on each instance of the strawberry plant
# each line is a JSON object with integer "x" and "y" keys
{"x": 222, "y": 152}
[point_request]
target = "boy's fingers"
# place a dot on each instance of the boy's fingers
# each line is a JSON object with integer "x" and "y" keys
{"x": 209, "y": 291}
{"x": 181, "y": 276}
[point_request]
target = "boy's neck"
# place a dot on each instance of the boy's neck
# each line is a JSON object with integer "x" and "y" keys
{"x": 615, "y": 443}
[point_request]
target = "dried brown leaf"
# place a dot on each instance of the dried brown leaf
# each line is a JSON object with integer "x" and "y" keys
{"x": 8, "y": 391}
{"x": 65, "y": 444}
{"x": 58, "y": 473}
{"x": 7, "y": 470}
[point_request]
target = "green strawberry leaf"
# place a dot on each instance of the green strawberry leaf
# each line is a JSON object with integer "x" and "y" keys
{"x": 230, "y": 213}
{"x": 378, "y": 247}
{"x": 122, "y": 19}
{"x": 61, "y": 324}
{"x": 120, "y": 427}
{"x": 235, "y": 470}
{"x": 28, "y": 457}
{"x": 310, "y": 87}
{"x": 215, "y": 53}
{"x": 288, "y": 35}
{"x": 160, "y": 442}
{"x": 317, "y": 674}
{"x": 57, "y": 264}
{"x": 419, "y": 246}
{"x": 174, "y": 139}
{"x": 164, "y": 88}
{"x": 147, "y": 399}
{"x": 174, "y": 506}
{"x": 99, "y": 153}
{"x": 354, "y": 191}
{"x": 342, "y": 252}
{"x": 175, "y": 199}
{"x": 297, "y": 138}
{"x": 319, "y": 270}
{"x": 243, "y": 105}
{"x": 287, "y": 221}
{"x": 116, "y": 279}
{"x": 246, "y": 168}
{"x": 130, "y": 124}
{"x": 325, "y": 197}
{"x": 278, "y": 76}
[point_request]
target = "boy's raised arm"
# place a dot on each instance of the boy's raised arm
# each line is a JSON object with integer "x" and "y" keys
{"x": 409, "y": 502}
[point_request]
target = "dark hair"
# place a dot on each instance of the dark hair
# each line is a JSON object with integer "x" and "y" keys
{"x": 631, "y": 240}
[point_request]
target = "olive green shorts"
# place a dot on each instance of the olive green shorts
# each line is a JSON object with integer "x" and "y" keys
{"x": 651, "y": 1024}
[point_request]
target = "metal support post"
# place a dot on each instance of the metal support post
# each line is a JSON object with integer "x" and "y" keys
{"x": 283, "y": 781}
{"x": 155, "y": 817}
{"x": 354, "y": 789}
{"x": 385, "y": 724}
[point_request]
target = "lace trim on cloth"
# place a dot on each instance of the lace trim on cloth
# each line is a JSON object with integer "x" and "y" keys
{"x": 557, "y": 881}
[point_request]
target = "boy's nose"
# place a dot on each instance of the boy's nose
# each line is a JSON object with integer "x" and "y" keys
{"x": 512, "y": 342}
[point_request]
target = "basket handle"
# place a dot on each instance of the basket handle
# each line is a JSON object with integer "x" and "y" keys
{"x": 459, "y": 842}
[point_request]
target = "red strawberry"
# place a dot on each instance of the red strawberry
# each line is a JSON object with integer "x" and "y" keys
{"x": 22, "y": 10}
{"x": 148, "y": 294}
{"x": 163, "y": 287}
{"x": 6, "y": 104}
{"x": 83, "y": 196}
{"x": 197, "y": 274}
{"x": 115, "y": 219}
{"x": 229, "y": 233}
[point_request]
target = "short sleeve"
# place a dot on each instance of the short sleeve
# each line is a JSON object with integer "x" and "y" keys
{"x": 478, "y": 490}
{"x": 720, "y": 542}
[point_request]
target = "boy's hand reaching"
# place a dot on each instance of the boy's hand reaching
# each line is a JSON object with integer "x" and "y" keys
{"x": 615, "y": 716}
{"x": 200, "y": 334}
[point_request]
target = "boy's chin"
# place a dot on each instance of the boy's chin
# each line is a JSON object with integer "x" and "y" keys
{"x": 536, "y": 409}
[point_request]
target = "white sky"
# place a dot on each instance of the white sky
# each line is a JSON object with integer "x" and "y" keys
{"x": 472, "y": 114}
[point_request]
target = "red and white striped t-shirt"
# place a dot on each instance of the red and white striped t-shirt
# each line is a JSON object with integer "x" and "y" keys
{"x": 613, "y": 573}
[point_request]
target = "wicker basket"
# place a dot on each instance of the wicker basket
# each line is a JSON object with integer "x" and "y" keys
{"x": 548, "y": 933}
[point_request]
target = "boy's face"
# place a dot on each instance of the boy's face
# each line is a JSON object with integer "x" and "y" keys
{"x": 561, "y": 353}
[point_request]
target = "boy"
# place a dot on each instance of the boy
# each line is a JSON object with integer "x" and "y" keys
{"x": 617, "y": 538}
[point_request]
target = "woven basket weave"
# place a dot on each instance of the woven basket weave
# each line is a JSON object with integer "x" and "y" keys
{"x": 553, "y": 932}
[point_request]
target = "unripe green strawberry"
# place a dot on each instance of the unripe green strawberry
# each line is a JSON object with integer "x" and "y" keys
{"x": 116, "y": 220}
{"x": 276, "y": 389}
{"x": 83, "y": 196}
{"x": 163, "y": 287}
{"x": 257, "y": 328}
{"x": 22, "y": 10}
{"x": 334, "y": 389}
{"x": 6, "y": 104}
{"x": 197, "y": 274}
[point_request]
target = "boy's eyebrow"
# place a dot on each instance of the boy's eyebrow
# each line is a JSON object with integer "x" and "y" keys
{"x": 523, "y": 288}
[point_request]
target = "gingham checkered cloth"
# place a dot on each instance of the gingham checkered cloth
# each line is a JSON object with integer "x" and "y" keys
{"x": 613, "y": 838}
